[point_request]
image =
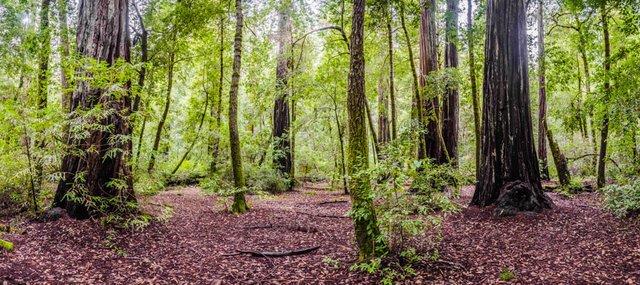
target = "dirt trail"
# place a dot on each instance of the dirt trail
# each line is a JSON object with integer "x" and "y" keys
{"x": 576, "y": 243}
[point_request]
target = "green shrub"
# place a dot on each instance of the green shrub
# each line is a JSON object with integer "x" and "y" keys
{"x": 623, "y": 200}
{"x": 266, "y": 179}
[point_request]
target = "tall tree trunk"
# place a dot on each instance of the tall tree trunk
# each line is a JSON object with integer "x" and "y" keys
{"x": 392, "y": 90}
{"x": 542, "y": 96}
{"x": 215, "y": 148}
{"x": 474, "y": 88}
{"x": 144, "y": 58}
{"x": 64, "y": 53}
{"x": 604, "y": 132}
{"x": 508, "y": 153}
{"x": 95, "y": 162}
{"x": 281, "y": 120}
{"x": 374, "y": 137}
{"x": 383, "y": 113}
{"x": 428, "y": 67}
{"x": 43, "y": 55}
{"x": 416, "y": 109}
{"x": 558, "y": 158}
{"x": 239, "y": 200}
{"x": 341, "y": 141}
{"x": 365, "y": 220}
{"x": 165, "y": 112}
{"x": 451, "y": 100}
{"x": 292, "y": 171}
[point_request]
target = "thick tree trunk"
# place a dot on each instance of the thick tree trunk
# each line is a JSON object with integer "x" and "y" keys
{"x": 281, "y": 120}
{"x": 165, "y": 112}
{"x": 509, "y": 160}
{"x": 542, "y": 97}
{"x": 428, "y": 66}
{"x": 474, "y": 88}
{"x": 416, "y": 111}
{"x": 392, "y": 90}
{"x": 451, "y": 100}
{"x": 604, "y": 132}
{"x": 558, "y": 158}
{"x": 239, "y": 200}
{"x": 64, "y": 54}
{"x": 94, "y": 163}
{"x": 365, "y": 221}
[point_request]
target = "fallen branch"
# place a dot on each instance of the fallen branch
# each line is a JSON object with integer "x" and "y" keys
{"x": 295, "y": 229}
{"x": 451, "y": 264}
{"x": 276, "y": 253}
{"x": 324, "y": 216}
{"x": 333, "y": 202}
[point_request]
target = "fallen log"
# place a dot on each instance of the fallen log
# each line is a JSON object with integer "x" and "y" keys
{"x": 276, "y": 253}
{"x": 6, "y": 245}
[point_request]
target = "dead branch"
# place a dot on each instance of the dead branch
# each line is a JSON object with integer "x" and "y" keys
{"x": 276, "y": 253}
{"x": 333, "y": 202}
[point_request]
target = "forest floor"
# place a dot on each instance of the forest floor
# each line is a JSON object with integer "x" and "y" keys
{"x": 575, "y": 243}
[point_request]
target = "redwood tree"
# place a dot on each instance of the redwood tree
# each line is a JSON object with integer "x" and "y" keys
{"x": 430, "y": 147}
{"x": 509, "y": 174}
{"x": 451, "y": 100}
{"x": 281, "y": 119}
{"x": 364, "y": 219}
{"x": 96, "y": 164}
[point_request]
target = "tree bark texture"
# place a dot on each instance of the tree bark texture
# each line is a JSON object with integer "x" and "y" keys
{"x": 508, "y": 153}
{"x": 428, "y": 66}
{"x": 604, "y": 132}
{"x": 474, "y": 88}
{"x": 365, "y": 220}
{"x": 542, "y": 96}
{"x": 281, "y": 119}
{"x": 95, "y": 162}
{"x": 451, "y": 100}
{"x": 239, "y": 200}
{"x": 558, "y": 158}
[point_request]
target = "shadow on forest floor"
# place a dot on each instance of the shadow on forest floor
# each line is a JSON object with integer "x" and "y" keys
{"x": 575, "y": 243}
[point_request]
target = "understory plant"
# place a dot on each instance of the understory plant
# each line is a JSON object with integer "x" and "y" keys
{"x": 623, "y": 200}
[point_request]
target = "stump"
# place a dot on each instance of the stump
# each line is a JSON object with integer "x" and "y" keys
{"x": 518, "y": 196}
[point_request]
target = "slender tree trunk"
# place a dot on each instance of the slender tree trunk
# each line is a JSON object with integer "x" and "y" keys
{"x": 392, "y": 90}
{"x": 416, "y": 109}
{"x": 144, "y": 58}
{"x": 292, "y": 171}
{"x": 281, "y": 119}
{"x": 542, "y": 96}
{"x": 587, "y": 82}
{"x": 365, "y": 221}
{"x": 508, "y": 154}
{"x": 64, "y": 53}
{"x": 474, "y": 88}
{"x": 429, "y": 66}
{"x": 193, "y": 143}
{"x": 383, "y": 113}
{"x": 218, "y": 115}
{"x": 95, "y": 162}
{"x": 239, "y": 200}
{"x": 558, "y": 158}
{"x": 374, "y": 137}
{"x": 341, "y": 141}
{"x": 44, "y": 52}
{"x": 451, "y": 100}
{"x": 165, "y": 112}
{"x": 604, "y": 132}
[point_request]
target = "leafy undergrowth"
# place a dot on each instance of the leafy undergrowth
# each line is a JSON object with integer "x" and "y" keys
{"x": 576, "y": 243}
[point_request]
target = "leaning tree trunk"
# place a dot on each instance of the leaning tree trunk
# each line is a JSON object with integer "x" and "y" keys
{"x": 474, "y": 88}
{"x": 428, "y": 66}
{"x": 416, "y": 111}
{"x": 509, "y": 174}
{"x": 558, "y": 158}
{"x": 365, "y": 221}
{"x": 604, "y": 132}
{"x": 281, "y": 119}
{"x": 239, "y": 201}
{"x": 542, "y": 96}
{"x": 96, "y": 165}
{"x": 451, "y": 100}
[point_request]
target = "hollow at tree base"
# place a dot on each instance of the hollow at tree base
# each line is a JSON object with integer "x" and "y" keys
{"x": 518, "y": 196}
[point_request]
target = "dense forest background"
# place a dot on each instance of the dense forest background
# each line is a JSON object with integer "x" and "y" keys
{"x": 101, "y": 107}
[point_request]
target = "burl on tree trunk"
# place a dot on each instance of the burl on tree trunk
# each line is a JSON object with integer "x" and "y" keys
{"x": 509, "y": 173}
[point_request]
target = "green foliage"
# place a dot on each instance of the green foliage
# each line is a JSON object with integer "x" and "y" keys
{"x": 507, "y": 275}
{"x": 266, "y": 179}
{"x": 623, "y": 200}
